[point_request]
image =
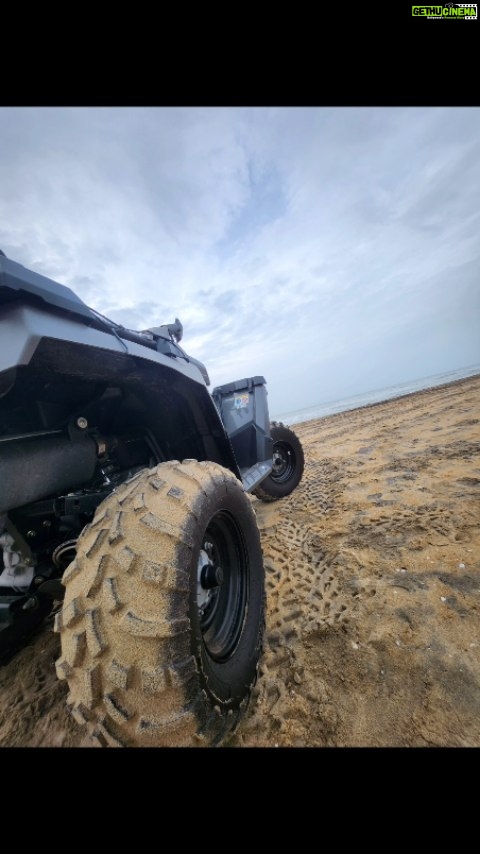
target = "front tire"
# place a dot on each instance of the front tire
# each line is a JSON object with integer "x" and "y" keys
{"x": 162, "y": 622}
{"x": 288, "y": 464}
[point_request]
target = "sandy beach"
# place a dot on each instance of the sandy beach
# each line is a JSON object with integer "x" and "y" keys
{"x": 373, "y": 592}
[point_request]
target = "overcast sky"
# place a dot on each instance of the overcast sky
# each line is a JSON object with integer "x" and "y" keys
{"x": 333, "y": 250}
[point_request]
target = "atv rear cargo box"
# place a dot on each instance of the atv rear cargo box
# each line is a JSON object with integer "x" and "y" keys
{"x": 244, "y": 411}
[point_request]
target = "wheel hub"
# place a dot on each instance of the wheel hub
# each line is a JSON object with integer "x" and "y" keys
{"x": 221, "y": 593}
{"x": 209, "y": 578}
{"x": 280, "y": 461}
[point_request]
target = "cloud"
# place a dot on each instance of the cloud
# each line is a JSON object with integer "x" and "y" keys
{"x": 306, "y": 244}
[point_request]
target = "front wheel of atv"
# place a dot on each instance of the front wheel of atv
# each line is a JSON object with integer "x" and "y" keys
{"x": 288, "y": 464}
{"x": 162, "y": 622}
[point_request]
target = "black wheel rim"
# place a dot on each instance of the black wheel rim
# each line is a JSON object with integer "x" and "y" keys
{"x": 222, "y": 586}
{"x": 283, "y": 462}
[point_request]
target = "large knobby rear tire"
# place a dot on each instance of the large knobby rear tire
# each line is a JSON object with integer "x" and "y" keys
{"x": 288, "y": 464}
{"x": 162, "y": 623}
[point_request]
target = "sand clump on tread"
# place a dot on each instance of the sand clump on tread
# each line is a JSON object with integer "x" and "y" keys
{"x": 373, "y": 590}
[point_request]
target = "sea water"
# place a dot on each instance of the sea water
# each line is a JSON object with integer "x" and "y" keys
{"x": 376, "y": 396}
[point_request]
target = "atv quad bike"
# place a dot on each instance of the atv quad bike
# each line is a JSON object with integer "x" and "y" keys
{"x": 123, "y": 507}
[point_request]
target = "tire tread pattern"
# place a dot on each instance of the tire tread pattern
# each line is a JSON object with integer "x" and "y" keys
{"x": 132, "y": 678}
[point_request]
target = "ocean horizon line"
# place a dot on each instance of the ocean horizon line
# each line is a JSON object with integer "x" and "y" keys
{"x": 311, "y": 413}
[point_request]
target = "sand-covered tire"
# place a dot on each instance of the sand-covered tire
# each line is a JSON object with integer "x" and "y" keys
{"x": 161, "y": 627}
{"x": 288, "y": 464}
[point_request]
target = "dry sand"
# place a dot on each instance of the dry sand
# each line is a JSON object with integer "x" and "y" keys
{"x": 373, "y": 585}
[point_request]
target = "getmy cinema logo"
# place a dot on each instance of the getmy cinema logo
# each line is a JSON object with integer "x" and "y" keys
{"x": 465, "y": 11}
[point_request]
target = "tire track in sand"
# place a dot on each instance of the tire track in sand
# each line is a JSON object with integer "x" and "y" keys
{"x": 307, "y": 596}
{"x": 370, "y": 622}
